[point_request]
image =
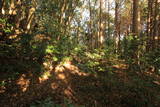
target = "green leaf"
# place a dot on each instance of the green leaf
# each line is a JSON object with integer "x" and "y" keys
{"x": 55, "y": 58}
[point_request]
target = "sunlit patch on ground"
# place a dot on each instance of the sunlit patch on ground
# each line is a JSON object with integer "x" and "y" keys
{"x": 68, "y": 91}
{"x": 48, "y": 65}
{"x": 73, "y": 69}
{"x": 23, "y": 83}
{"x": 45, "y": 76}
{"x": 61, "y": 76}
{"x": 120, "y": 66}
{"x": 54, "y": 85}
{"x": 68, "y": 81}
{"x": 68, "y": 66}
{"x": 59, "y": 68}
{"x": 156, "y": 82}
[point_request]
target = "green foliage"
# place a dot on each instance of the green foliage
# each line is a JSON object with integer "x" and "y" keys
{"x": 6, "y": 27}
{"x": 94, "y": 60}
{"x": 43, "y": 103}
{"x": 3, "y": 83}
{"x": 78, "y": 50}
{"x": 49, "y": 103}
{"x": 61, "y": 43}
{"x": 134, "y": 52}
{"x": 152, "y": 58}
{"x": 52, "y": 49}
{"x": 129, "y": 48}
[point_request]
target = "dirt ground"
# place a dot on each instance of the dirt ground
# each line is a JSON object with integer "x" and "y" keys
{"x": 103, "y": 89}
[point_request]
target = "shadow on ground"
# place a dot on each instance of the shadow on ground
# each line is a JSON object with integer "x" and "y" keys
{"x": 103, "y": 89}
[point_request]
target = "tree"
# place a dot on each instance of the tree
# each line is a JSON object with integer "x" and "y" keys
{"x": 117, "y": 24}
{"x": 152, "y": 22}
{"x": 101, "y": 23}
{"x": 135, "y": 17}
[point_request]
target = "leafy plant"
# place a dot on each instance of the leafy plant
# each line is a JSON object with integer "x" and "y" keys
{"x": 43, "y": 103}
{"x": 49, "y": 103}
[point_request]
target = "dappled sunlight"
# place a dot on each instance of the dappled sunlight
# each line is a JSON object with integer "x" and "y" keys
{"x": 67, "y": 81}
{"x": 48, "y": 65}
{"x": 60, "y": 72}
{"x": 54, "y": 85}
{"x": 73, "y": 69}
{"x": 2, "y": 87}
{"x": 66, "y": 53}
{"x": 13, "y": 36}
{"x": 23, "y": 83}
{"x": 63, "y": 71}
{"x": 94, "y": 55}
{"x": 68, "y": 65}
{"x": 59, "y": 68}
{"x": 45, "y": 76}
{"x": 121, "y": 66}
{"x": 156, "y": 82}
{"x": 69, "y": 92}
{"x": 61, "y": 76}
{"x": 41, "y": 37}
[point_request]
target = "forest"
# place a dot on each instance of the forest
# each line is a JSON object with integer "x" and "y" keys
{"x": 79, "y": 53}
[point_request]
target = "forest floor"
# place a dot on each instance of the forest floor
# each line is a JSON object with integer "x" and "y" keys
{"x": 119, "y": 88}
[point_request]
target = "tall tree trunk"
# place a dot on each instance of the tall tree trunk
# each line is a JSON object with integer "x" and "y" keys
{"x": 90, "y": 26}
{"x": 135, "y": 17}
{"x": 108, "y": 18}
{"x": 155, "y": 28}
{"x": 116, "y": 33}
{"x": 101, "y": 24}
{"x": 152, "y": 23}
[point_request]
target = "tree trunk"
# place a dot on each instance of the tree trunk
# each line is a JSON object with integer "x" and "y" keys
{"x": 108, "y": 18}
{"x": 116, "y": 25}
{"x": 135, "y": 18}
{"x": 90, "y": 26}
{"x": 101, "y": 24}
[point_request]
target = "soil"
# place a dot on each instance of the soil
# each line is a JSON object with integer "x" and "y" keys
{"x": 103, "y": 89}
